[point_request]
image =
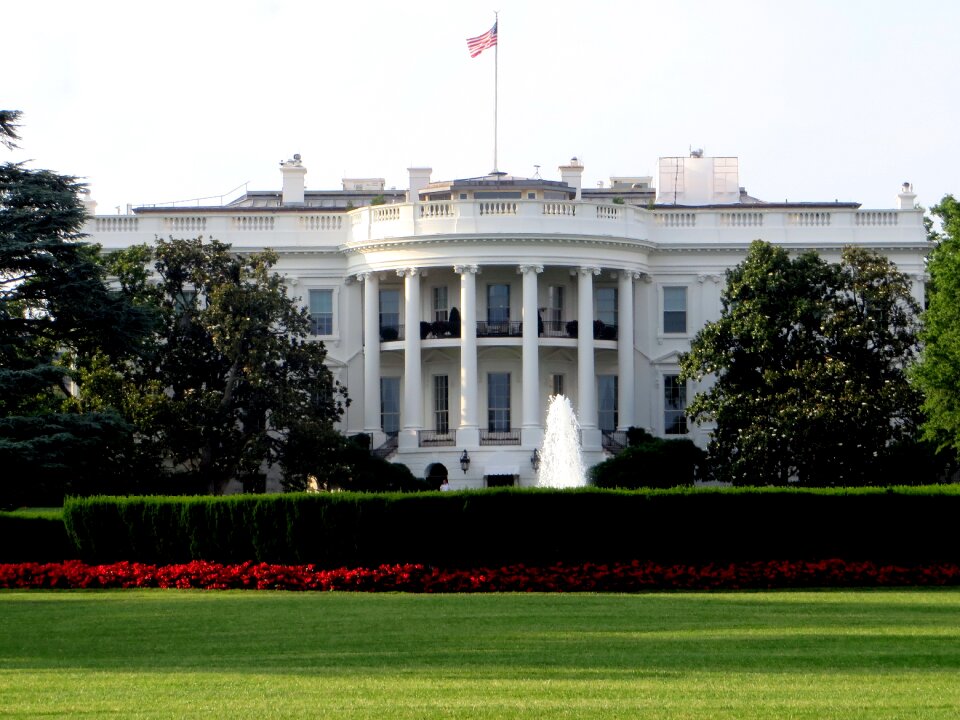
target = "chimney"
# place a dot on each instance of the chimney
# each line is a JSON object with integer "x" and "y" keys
{"x": 907, "y": 199}
{"x": 293, "y": 172}
{"x": 419, "y": 179}
{"x": 89, "y": 204}
{"x": 572, "y": 175}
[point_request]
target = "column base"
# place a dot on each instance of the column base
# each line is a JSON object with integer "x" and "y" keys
{"x": 531, "y": 437}
{"x": 468, "y": 438}
{"x": 409, "y": 439}
{"x": 592, "y": 439}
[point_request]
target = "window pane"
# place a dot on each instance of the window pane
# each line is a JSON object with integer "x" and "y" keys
{"x": 674, "y": 405}
{"x": 390, "y": 309}
{"x": 556, "y": 383}
{"x": 498, "y": 402}
{"x": 441, "y": 403}
{"x": 390, "y": 404}
{"x": 607, "y": 305}
{"x": 607, "y": 402}
{"x": 440, "y": 305}
{"x": 321, "y": 312}
{"x": 498, "y": 303}
{"x": 674, "y": 309}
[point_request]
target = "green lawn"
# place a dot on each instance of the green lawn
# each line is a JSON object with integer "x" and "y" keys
{"x": 265, "y": 655}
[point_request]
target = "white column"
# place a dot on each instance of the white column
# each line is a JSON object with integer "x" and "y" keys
{"x": 626, "y": 411}
{"x": 371, "y": 355}
{"x": 531, "y": 430}
{"x": 412, "y": 372}
{"x": 468, "y": 434}
{"x": 586, "y": 373}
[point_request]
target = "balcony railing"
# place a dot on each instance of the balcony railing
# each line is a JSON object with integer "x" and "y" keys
{"x": 503, "y": 328}
{"x": 436, "y": 438}
{"x": 499, "y": 437}
{"x": 571, "y": 329}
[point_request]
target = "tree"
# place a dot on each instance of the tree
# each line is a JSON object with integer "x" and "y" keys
{"x": 9, "y": 124}
{"x": 809, "y": 360}
{"x": 937, "y": 373}
{"x": 231, "y": 371}
{"x": 55, "y": 307}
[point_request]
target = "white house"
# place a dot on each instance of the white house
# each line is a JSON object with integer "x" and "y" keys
{"x": 589, "y": 292}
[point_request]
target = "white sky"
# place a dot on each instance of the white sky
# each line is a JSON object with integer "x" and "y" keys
{"x": 161, "y": 101}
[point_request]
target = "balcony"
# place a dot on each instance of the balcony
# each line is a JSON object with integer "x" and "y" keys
{"x": 435, "y": 438}
{"x": 499, "y": 437}
{"x": 500, "y": 328}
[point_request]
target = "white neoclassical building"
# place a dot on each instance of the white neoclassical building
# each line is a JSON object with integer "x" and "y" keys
{"x": 453, "y": 310}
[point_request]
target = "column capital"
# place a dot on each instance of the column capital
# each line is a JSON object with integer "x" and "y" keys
{"x": 462, "y": 269}
{"x": 523, "y": 269}
{"x": 362, "y": 277}
{"x": 588, "y": 270}
{"x": 408, "y": 272}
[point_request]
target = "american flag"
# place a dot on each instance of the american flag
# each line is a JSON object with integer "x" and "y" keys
{"x": 477, "y": 45}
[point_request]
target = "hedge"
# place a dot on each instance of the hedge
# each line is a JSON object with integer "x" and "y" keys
{"x": 37, "y": 537}
{"x": 537, "y": 527}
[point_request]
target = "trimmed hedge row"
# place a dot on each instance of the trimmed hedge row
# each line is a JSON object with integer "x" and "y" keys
{"x": 535, "y": 527}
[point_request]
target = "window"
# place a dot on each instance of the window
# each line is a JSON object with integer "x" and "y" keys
{"x": 674, "y": 309}
{"x": 555, "y": 297}
{"x": 674, "y": 405}
{"x": 556, "y": 384}
{"x": 184, "y": 301}
{"x": 607, "y": 402}
{"x": 321, "y": 312}
{"x": 389, "y": 309}
{"x": 606, "y": 298}
{"x": 390, "y": 405}
{"x": 441, "y": 403}
{"x": 441, "y": 306}
{"x": 498, "y": 402}
{"x": 498, "y": 303}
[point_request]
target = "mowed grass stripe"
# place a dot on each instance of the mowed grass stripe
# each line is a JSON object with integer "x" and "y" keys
{"x": 186, "y": 654}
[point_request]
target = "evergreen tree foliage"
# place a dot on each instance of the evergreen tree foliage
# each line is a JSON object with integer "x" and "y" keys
{"x": 231, "y": 372}
{"x": 809, "y": 360}
{"x": 55, "y": 308}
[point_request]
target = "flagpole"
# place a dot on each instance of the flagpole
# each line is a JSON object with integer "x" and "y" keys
{"x": 496, "y": 90}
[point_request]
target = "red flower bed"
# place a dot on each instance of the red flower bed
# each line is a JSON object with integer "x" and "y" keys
{"x": 583, "y": 577}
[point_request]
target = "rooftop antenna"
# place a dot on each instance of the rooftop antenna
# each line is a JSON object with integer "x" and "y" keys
{"x": 536, "y": 172}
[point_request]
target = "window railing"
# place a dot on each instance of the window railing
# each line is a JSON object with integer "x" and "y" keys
{"x": 614, "y": 440}
{"x": 435, "y": 438}
{"x": 499, "y": 437}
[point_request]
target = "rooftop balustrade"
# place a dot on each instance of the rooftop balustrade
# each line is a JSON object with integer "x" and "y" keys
{"x": 377, "y": 225}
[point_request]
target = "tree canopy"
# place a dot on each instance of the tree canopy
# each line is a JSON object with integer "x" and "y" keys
{"x": 55, "y": 307}
{"x": 231, "y": 372}
{"x": 809, "y": 360}
{"x": 937, "y": 373}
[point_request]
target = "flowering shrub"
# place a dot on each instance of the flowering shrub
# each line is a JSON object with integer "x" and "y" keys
{"x": 584, "y": 577}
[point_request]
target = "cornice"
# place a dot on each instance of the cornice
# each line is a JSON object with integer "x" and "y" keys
{"x": 370, "y": 246}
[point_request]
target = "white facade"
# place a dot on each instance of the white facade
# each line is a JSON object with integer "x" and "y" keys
{"x": 519, "y": 259}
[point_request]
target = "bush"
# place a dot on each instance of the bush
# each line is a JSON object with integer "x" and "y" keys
{"x": 651, "y": 462}
{"x": 39, "y": 537}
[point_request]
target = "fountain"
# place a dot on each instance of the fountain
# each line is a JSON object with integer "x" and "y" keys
{"x": 561, "y": 464}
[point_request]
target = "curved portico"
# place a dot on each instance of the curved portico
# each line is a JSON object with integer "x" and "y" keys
{"x": 526, "y": 330}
